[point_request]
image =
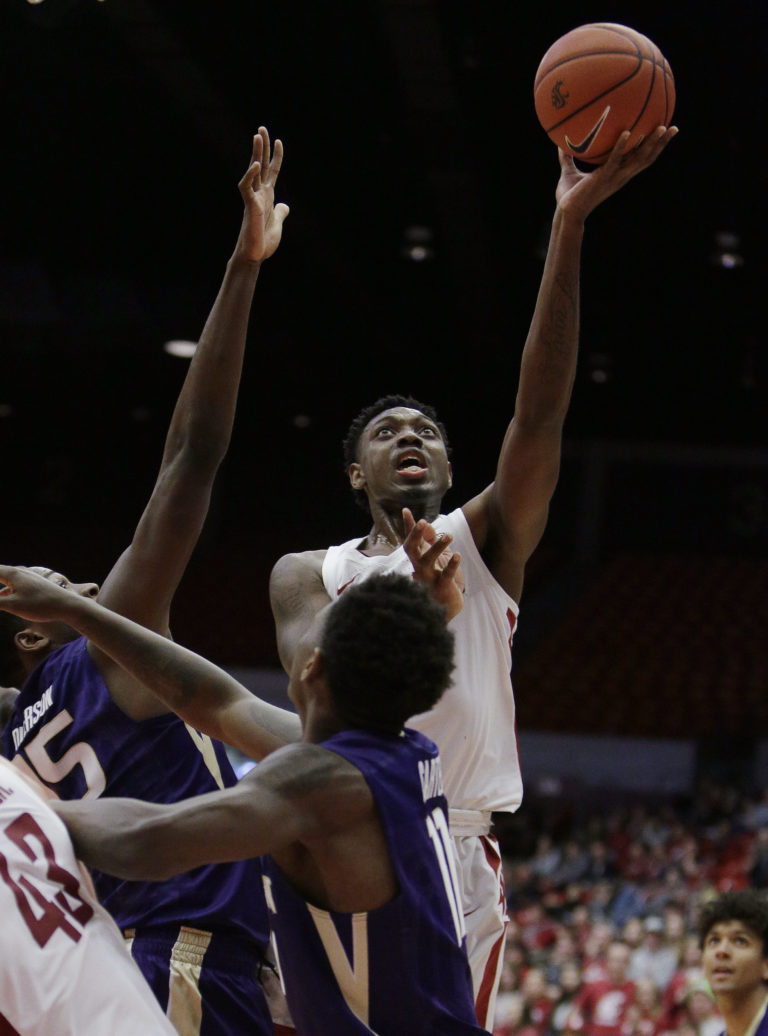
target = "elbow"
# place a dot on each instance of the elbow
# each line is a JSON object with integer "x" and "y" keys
{"x": 200, "y": 447}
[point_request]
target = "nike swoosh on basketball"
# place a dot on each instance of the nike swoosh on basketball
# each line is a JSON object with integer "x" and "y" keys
{"x": 586, "y": 143}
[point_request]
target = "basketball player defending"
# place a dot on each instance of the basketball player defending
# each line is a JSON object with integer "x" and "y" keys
{"x": 86, "y": 728}
{"x": 359, "y": 879}
{"x": 397, "y": 457}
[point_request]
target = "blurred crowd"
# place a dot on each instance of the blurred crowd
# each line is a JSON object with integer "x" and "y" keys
{"x": 603, "y": 906}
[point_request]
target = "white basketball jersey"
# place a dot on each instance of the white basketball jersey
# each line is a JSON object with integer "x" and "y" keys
{"x": 473, "y": 724}
{"x": 64, "y": 968}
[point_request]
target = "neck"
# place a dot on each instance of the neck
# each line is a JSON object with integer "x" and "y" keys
{"x": 388, "y": 528}
{"x": 320, "y": 724}
{"x": 742, "y": 1014}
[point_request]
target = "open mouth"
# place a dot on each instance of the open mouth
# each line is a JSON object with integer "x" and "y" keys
{"x": 411, "y": 465}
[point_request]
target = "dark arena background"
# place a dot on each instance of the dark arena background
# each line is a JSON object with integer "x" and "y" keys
{"x": 421, "y": 189}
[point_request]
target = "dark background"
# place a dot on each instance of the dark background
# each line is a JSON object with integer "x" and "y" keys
{"x": 126, "y": 126}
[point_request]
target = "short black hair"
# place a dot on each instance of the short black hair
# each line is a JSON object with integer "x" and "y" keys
{"x": 352, "y": 438}
{"x": 11, "y": 670}
{"x": 746, "y": 905}
{"x": 387, "y": 651}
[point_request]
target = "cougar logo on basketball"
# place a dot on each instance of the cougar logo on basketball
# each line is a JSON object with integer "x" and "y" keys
{"x": 558, "y": 97}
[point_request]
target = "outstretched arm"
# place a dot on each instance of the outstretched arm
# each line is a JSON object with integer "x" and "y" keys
{"x": 143, "y": 581}
{"x": 300, "y": 794}
{"x": 198, "y": 691}
{"x": 508, "y": 518}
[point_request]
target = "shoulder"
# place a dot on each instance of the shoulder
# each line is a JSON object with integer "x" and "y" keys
{"x": 315, "y": 778}
{"x": 298, "y": 564}
{"x": 296, "y": 572}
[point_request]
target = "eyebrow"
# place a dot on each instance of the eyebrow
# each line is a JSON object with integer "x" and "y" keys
{"x": 402, "y": 419}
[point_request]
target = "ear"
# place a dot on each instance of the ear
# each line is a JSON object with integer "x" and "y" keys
{"x": 313, "y": 678}
{"x": 450, "y": 474}
{"x": 314, "y": 667}
{"x": 765, "y": 969}
{"x": 29, "y": 642}
{"x": 356, "y": 476}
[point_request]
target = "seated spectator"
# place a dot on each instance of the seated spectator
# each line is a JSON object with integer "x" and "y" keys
{"x": 633, "y": 932}
{"x": 758, "y": 864}
{"x": 702, "y": 1010}
{"x": 569, "y": 986}
{"x": 546, "y": 859}
{"x": 574, "y": 865}
{"x": 564, "y": 952}
{"x": 688, "y": 974}
{"x": 600, "y": 1007}
{"x": 537, "y": 1003}
{"x": 653, "y": 959}
{"x": 594, "y": 968}
{"x": 645, "y": 1017}
{"x": 509, "y": 1016}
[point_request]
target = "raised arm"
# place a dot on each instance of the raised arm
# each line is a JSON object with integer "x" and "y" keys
{"x": 198, "y": 691}
{"x": 508, "y": 518}
{"x": 297, "y": 594}
{"x": 143, "y": 581}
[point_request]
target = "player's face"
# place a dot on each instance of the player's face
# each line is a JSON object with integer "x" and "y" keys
{"x": 401, "y": 456}
{"x": 60, "y": 632}
{"x": 84, "y": 589}
{"x": 732, "y": 958}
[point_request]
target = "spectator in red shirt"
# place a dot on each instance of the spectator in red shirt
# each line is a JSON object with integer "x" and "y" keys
{"x": 645, "y": 1017}
{"x": 601, "y": 1007}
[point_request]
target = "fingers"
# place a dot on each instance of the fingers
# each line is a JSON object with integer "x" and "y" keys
{"x": 566, "y": 160}
{"x": 264, "y": 168}
{"x": 451, "y": 569}
{"x": 280, "y": 212}
{"x": 6, "y": 574}
{"x": 251, "y": 177}
{"x": 275, "y": 163}
{"x": 271, "y": 159}
{"x": 431, "y": 555}
{"x": 258, "y": 148}
{"x": 646, "y": 150}
{"x": 414, "y": 538}
{"x": 422, "y": 544}
{"x": 617, "y": 154}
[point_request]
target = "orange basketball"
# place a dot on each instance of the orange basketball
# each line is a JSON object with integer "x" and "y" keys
{"x": 597, "y": 81}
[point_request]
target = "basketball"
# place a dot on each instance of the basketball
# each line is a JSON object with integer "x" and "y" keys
{"x": 597, "y": 81}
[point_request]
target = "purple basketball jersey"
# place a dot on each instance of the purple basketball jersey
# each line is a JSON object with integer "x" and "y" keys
{"x": 402, "y": 967}
{"x": 66, "y": 727}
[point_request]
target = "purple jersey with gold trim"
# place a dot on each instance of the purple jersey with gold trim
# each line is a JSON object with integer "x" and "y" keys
{"x": 66, "y": 727}
{"x": 402, "y": 967}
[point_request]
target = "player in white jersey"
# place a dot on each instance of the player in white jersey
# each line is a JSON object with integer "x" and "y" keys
{"x": 397, "y": 458}
{"x": 64, "y": 968}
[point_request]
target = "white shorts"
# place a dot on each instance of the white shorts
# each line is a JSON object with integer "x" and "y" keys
{"x": 479, "y": 869}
